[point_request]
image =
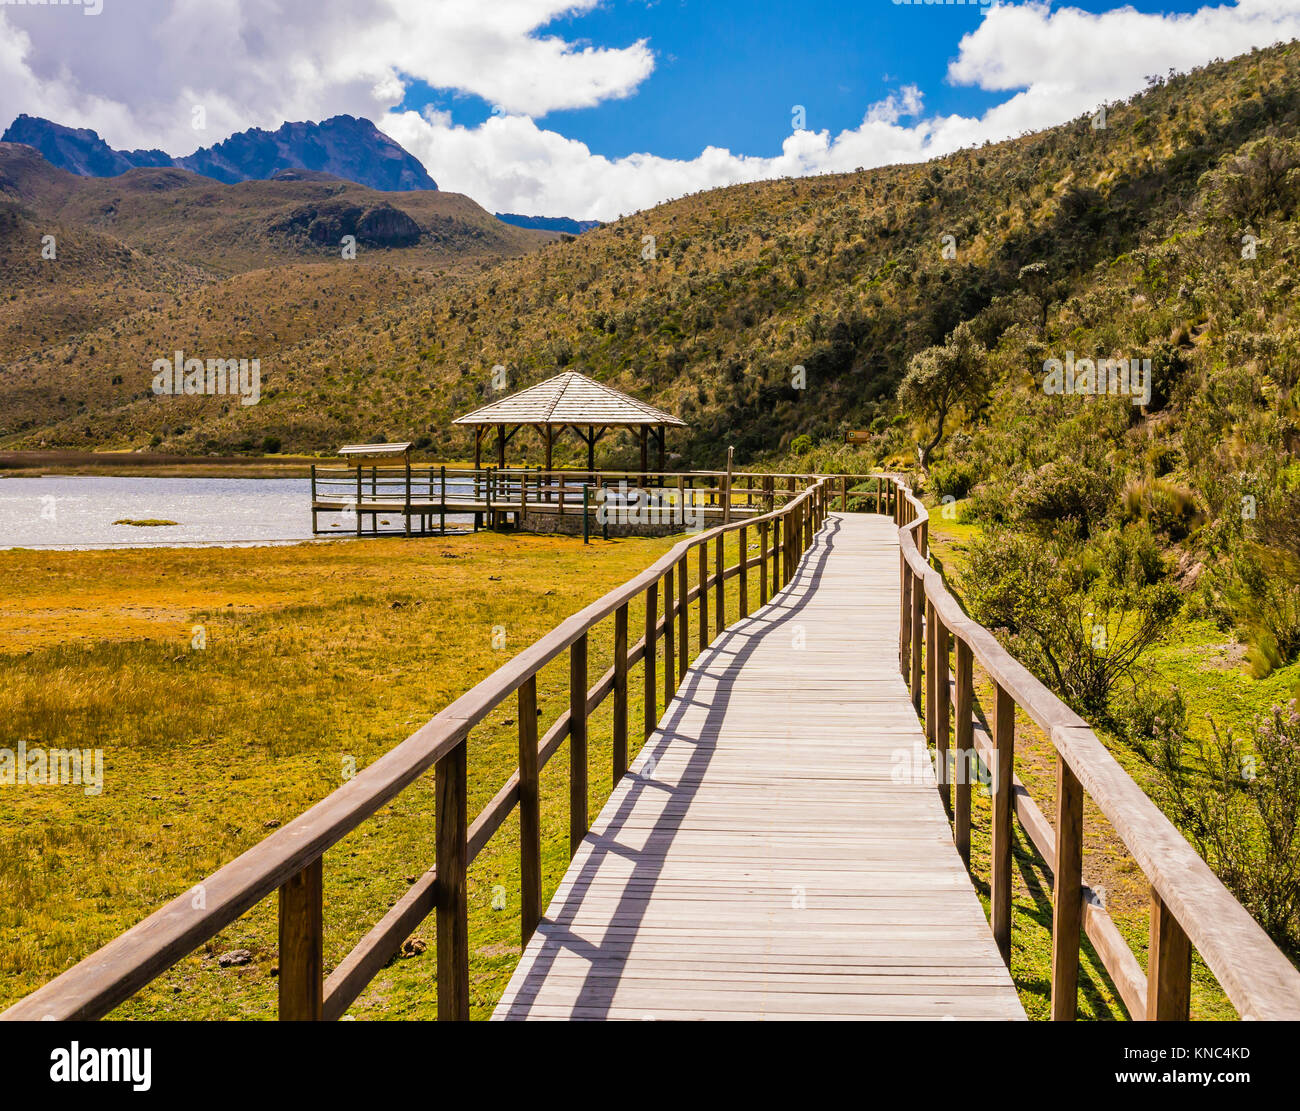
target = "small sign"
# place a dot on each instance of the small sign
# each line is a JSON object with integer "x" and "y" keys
{"x": 858, "y": 437}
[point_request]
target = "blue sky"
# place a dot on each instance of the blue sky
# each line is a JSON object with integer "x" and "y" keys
{"x": 728, "y": 72}
{"x": 610, "y": 106}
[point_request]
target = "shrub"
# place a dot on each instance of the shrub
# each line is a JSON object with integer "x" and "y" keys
{"x": 271, "y": 445}
{"x": 1241, "y": 808}
{"x": 1059, "y": 494}
{"x": 1080, "y": 633}
{"x": 1168, "y": 507}
{"x": 953, "y": 479}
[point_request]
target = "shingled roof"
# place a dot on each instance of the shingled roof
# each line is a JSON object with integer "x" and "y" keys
{"x": 571, "y": 398}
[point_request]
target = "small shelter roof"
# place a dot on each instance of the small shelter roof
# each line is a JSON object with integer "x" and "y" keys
{"x": 375, "y": 449}
{"x": 571, "y": 398}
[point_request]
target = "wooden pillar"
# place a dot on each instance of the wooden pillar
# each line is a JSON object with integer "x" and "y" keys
{"x": 645, "y": 456}
{"x": 1067, "y": 893}
{"x": 670, "y": 642}
{"x": 965, "y": 756}
{"x": 577, "y": 743}
{"x": 942, "y": 710}
{"x": 720, "y": 583}
{"x": 1169, "y": 966}
{"x": 301, "y": 956}
{"x": 683, "y": 619}
{"x": 501, "y": 446}
{"x": 662, "y": 437}
{"x": 704, "y": 595}
{"x": 918, "y": 637}
{"x": 450, "y": 817}
{"x": 651, "y": 622}
{"x": 1004, "y": 732}
{"x": 762, "y": 563}
{"x": 591, "y": 452}
{"x": 530, "y": 822}
{"x": 744, "y": 571}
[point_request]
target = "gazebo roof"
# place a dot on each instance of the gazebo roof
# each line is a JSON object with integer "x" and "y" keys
{"x": 570, "y": 398}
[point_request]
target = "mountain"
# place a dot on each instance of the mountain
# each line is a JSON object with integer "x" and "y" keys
{"x": 343, "y": 146}
{"x": 297, "y": 215}
{"x": 548, "y": 223}
{"x": 79, "y": 150}
{"x": 847, "y": 276}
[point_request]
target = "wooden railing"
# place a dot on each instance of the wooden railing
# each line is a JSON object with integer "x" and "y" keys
{"x": 291, "y": 860}
{"x": 1190, "y": 907}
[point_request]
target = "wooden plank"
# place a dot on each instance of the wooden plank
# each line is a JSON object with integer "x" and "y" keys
{"x": 620, "y": 692}
{"x": 1169, "y": 967}
{"x": 750, "y": 865}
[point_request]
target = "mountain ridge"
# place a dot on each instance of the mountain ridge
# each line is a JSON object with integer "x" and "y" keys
{"x": 348, "y": 147}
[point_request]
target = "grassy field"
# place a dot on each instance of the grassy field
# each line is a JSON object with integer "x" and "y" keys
{"x": 314, "y": 656}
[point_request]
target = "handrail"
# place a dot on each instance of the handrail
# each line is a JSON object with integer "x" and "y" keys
{"x": 291, "y": 858}
{"x": 1190, "y": 906}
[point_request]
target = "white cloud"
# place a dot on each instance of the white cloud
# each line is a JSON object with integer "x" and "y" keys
{"x": 135, "y": 72}
{"x": 1063, "y": 62}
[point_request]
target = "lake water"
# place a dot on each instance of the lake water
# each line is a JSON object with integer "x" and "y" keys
{"x": 78, "y": 512}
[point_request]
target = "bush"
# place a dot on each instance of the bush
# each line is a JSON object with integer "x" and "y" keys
{"x": 1241, "y": 808}
{"x": 1168, "y": 507}
{"x": 271, "y": 445}
{"x": 953, "y": 479}
{"x": 1078, "y": 632}
{"x": 1059, "y": 494}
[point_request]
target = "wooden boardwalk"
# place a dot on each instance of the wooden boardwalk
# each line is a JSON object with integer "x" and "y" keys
{"x": 779, "y": 849}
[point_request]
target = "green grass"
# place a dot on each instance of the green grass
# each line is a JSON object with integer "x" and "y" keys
{"x": 315, "y": 657}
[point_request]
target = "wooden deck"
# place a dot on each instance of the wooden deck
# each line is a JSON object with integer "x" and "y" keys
{"x": 761, "y": 859}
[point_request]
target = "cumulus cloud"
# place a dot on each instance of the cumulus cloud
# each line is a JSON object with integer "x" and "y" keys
{"x": 135, "y": 73}
{"x": 1057, "y": 64}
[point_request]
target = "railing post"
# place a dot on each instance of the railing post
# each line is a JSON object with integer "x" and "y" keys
{"x": 1169, "y": 966}
{"x": 918, "y": 636}
{"x": 719, "y": 585}
{"x": 965, "y": 761}
{"x": 905, "y": 616}
{"x": 744, "y": 572}
{"x": 530, "y": 820}
{"x": 670, "y": 639}
{"x": 776, "y": 555}
{"x": 762, "y": 562}
{"x": 1004, "y": 734}
{"x": 703, "y": 595}
{"x": 942, "y": 709}
{"x": 302, "y": 945}
{"x": 1067, "y": 894}
{"x": 931, "y": 686}
{"x": 651, "y": 620}
{"x": 620, "y": 692}
{"x": 683, "y": 619}
{"x": 453, "y": 906}
{"x": 577, "y": 743}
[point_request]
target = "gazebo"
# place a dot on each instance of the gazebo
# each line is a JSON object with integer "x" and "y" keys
{"x": 569, "y": 400}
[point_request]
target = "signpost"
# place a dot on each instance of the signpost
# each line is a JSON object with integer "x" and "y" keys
{"x": 857, "y": 437}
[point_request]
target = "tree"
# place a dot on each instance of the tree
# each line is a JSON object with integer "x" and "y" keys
{"x": 943, "y": 377}
{"x": 1036, "y": 284}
